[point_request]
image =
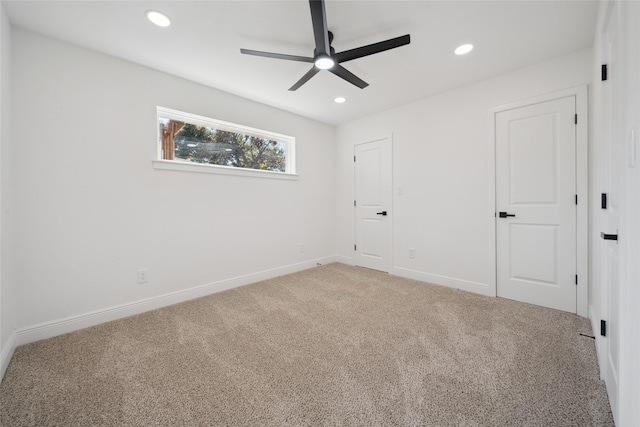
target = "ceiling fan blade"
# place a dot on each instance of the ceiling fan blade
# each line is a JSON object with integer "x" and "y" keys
{"x": 312, "y": 72}
{"x": 276, "y": 55}
{"x": 342, "y": 72}
{"x": 320, "y": 30}
{"x": 370, "y": 49}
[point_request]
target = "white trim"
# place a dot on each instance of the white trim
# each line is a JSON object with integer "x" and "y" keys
{"x": 290, "y": 141}
{"x": 392, "y": 228}
{"x": 222, "y": 125}
{"x": 74, "y": 323}
{"x": 491, "y": 210}
{"x": 605, "y": 16}
{"x": 176, "y": 165}
{"x": 582, "y": 183}
{"x": 449, "y": 282}
{"x": 344, "y": 259}
{"x": 6, "y": 353}
{"x": 540, "y": 99}
{"x": 582, "y": 189}
{"x": 599, "y": 340}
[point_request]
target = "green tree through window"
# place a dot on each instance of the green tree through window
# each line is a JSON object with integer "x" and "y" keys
{"x": 202, "y": 144}
{"x": 188, "y": 138}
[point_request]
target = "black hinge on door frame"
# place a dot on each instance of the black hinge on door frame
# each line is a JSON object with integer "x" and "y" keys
{"x": 603, "y": 201}
{"x": 603, "y": 72}
{"x": 354, "y": 247}
{"x": 603, "y": 328}
{"x": 576, "y": 199}
{"x": 576, "y": 279}
{"x": 354, "y": 159}
{"x": 354, "y": 203}
{"x": 575, "y": 121}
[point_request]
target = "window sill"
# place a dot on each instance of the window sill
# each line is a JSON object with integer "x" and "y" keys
{"x": 220, "y": 170}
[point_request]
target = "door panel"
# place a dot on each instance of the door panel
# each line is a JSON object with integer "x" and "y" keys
{"x": 613, "y": 139}
{"x": 370, "y": 177}
{"x": 532, "y": 160}
{"x": 538, "y": 238}
{"x": 536, "y": 183}
{"x": 372, "y": 238}
{"x": 372, "y": 197}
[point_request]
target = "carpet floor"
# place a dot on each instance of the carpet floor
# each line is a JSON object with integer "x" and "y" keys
{"x": 334, "y": 345}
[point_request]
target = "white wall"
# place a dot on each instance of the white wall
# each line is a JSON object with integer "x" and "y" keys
{"x": 7, "y": 277}
{"x": 441, "y": 159}
{"x": 91, "y": 210}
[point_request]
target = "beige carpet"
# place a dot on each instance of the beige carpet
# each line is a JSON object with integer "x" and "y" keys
{"x": 335, "y": 345}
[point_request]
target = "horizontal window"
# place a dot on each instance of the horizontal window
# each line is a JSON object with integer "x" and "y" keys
{"x": 190, "y": 139}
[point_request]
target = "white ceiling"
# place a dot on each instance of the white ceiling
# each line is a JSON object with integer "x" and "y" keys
{"x": 203, "y": 44}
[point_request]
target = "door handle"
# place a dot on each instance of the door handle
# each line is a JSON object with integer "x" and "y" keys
{"x": 504, "y": 214}
{"x": 383, "y": 213}
{"x": 609, "y": 236}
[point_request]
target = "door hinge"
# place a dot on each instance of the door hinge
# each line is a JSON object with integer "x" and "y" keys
{"x": 576, "y": 199}
{"x": 576, "y": 279}
{"x": 603, "y": 328}
{"x": 603, "y": 72}
{"x": 354, "y": 247}
{"x": 354, "y": 159}
{"x": 603, "y": 201}
{"x": 354, "y": 203}
{"x": 575, "y": 119}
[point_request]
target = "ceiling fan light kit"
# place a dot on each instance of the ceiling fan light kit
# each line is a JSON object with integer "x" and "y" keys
{"x": 325, "y": 56}
{"x": 324, "y": 62}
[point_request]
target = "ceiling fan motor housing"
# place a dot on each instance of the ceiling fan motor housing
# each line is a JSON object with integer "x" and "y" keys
{"x": 325, "y": 56}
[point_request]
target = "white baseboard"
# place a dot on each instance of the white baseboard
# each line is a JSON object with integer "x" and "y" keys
{"x": 343, "y": 259}
{"x": 6, "y": 353}
{"x": 75, "y": 323}
{"x": 450, "y": 282}
{"x": 591, "y": 317}
{"x": 595, "y": 328}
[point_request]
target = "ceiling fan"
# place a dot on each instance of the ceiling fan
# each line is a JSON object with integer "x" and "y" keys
{"x": 325, "y": 56}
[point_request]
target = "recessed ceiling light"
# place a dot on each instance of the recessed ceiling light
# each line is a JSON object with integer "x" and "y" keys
{"x": 464, "y": 49}
{"x": 324, "y": 62}
{"x": 160, "y": 19}
{"x": 339, "y": 100}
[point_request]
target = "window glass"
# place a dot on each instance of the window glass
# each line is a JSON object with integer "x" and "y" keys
{"x": 188, "y": 138}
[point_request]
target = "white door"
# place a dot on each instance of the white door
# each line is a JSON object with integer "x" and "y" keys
{"x": 536, "y": 204}
{"x": 614, "y": 139}
{"x": 372, "y": 204}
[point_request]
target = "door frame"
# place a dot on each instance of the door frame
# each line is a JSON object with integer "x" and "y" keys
{"x": 582, "y": 187}
{"x": 388, "y": 137}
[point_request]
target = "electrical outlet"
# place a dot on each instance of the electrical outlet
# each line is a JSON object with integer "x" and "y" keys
{"x": 412, "y": 253}
{"x": 143, "y": 275}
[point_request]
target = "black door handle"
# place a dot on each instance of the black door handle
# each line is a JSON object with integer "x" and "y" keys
{"x": 504, "y": 215}
{"x": 383, "y": 213}
{"x": 609, "y": 236}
